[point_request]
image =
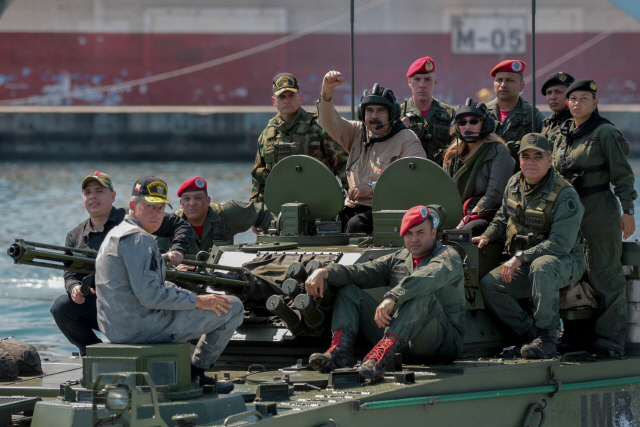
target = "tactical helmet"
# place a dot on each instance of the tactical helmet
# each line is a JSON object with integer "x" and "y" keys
{"x": 379, "y": 96}
{"x": 476, "y": 109}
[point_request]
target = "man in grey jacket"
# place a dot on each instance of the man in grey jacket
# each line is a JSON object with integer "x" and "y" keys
{"x": 136, "y": 305}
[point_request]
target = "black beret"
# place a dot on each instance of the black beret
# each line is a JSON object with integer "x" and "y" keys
{"x": 557, "y": 79}
{"x": 586, "y": 85}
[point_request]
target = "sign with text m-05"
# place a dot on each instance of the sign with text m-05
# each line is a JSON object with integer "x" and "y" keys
{"x": 478, "y": 34}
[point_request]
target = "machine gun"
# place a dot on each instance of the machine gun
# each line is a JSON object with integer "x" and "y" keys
{"x": 238, "y": 280}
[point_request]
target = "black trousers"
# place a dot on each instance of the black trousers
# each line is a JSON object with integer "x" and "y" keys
{"x": 358, "y": 219}
{"x": 77, "y": 321}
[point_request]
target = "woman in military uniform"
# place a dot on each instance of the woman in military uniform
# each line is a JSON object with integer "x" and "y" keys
{"x": 591, "y": 153}
{"x": 480, "y": 164}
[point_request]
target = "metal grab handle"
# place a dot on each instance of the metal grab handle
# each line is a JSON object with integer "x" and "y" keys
{"x": 235, "y": 417}
{"x": 530, "y": 410}
{"x": 256, "y": 365}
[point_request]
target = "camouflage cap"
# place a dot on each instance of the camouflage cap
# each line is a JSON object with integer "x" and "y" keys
{"x": 101, "y": 177}
{"x": 285, "y": 82}
{"x": 535, "y": 141}
{"x": 153, "y": 189}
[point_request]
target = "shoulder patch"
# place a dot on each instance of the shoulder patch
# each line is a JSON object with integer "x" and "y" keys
{"x": 571, "y": 204}
{"x": 623, "y": 144}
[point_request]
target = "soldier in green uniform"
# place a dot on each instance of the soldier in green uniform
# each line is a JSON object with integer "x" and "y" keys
{"x": 425, "y": 308}
{"x": 216, "y": 223}
{"x": 427, "y": 117}
{"x": 293, "y": 131}
{"x": 540, "y": 216}
{"x": 512, "y": 113}
{"x": 591, "y": 153}
{"x": 554, "y": 90}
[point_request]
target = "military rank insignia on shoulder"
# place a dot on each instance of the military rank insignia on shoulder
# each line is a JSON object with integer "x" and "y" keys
{"x": 384, "y": 258}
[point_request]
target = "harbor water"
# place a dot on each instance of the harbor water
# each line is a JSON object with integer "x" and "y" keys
{"x": 42, "y": 202}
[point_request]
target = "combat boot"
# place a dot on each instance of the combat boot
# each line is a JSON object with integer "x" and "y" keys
{"x": 516, "y": 351}
{"x": 374, "y": 364}
{"x": 545, "y": 345}
{"x": 605, "y": 347}
{"x": 339, "y": 355}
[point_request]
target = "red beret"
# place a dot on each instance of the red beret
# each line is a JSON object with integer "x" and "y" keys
{"x": 510, "y": 65}
{"x": 193, "y": 184}
{"x": 422, "y": 65}
{"x": 414, "y": 216}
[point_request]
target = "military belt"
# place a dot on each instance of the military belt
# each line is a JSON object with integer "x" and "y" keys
{"x": 588, "y": 191}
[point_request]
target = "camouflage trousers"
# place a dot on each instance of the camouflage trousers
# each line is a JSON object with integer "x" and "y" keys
{"x": 421, "y": 322}
{"x": 540, "y": 281}
{"x": 603, "y": 249}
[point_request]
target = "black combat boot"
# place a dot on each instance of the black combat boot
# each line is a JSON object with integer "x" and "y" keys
{"x": 374, "y": 364}
{"x": 339, "y": 355}
{"x": 515, "y": 352}
{"x": 543, "y": 347}
{"x": 605, "y": 347}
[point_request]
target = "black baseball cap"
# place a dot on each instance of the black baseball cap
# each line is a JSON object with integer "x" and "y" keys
{"x": 153, "y": 189}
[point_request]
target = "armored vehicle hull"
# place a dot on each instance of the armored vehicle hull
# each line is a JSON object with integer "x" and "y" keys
{"x": 146, "y": 385}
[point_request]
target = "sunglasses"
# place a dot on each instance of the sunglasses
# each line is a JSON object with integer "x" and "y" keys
{"x": 472, "y": 122}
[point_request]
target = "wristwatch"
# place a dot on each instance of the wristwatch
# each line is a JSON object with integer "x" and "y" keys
{"x": 390, "y": 295}
{"x": 628, "y": 211}
{"x": 520, "y": 256}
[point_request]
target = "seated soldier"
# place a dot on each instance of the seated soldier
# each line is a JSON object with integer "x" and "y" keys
{"x": 136, "y": 305}
{"x": 540, "y": 215}
{"x": 75, "y": 313}
{"x": 427, "y": 295}
{"x": 373, "y": 142}
{"x": 216, "y": 222}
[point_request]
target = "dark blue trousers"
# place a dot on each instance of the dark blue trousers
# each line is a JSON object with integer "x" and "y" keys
{"x": 77, "y": 321}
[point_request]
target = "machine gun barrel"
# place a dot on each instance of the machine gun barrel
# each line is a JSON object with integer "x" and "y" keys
{"x": 83, "y": 261}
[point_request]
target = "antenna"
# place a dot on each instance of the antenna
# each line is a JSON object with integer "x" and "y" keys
{"x": 353, "y": 95}
{"x": 533, "y": 64}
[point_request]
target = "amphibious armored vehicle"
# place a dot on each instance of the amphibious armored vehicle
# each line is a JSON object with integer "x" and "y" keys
{"x": 148, "y": 385}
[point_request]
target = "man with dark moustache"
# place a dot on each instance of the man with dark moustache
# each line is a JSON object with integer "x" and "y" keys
{"x": 427, "y": 117}
{"x": 373, "y": 142}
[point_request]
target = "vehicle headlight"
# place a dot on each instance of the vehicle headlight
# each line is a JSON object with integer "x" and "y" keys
{"x": 118, "y": 399}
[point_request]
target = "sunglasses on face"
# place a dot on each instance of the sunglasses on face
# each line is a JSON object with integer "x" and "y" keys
{"x": 472, "y": 122}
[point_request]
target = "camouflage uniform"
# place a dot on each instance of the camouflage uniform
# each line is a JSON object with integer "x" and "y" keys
{"x": 602, "y": 155}
{"x": 518, "y": 122}
{"x": 303, "y": 136}
{"x": 551, "y": 125}
{"x": 557, "y": 261}
{"x": 431, "y": 305}
{"x": 224, "y": 220}
{"x": 433, "y": 130}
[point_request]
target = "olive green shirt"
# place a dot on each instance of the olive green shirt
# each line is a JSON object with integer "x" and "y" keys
{"x": 224, "y": 221}
{"x": 603, "y": 145}
{"x": 566, "y": 215}
{"x": 518, "y": 123}
{"x": 439, "y": 272}
{"x": 433, "y": 130}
